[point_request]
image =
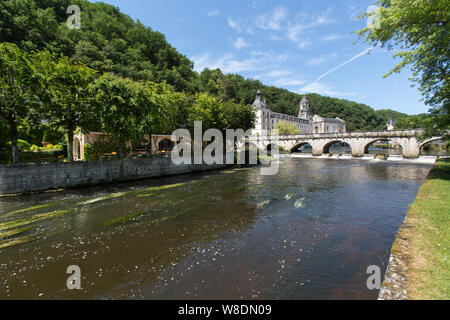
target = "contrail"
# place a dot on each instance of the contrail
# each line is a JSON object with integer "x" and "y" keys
{"x": 344, "y": 63}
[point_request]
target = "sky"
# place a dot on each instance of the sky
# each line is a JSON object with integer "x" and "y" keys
{"x": 304, "y": 46}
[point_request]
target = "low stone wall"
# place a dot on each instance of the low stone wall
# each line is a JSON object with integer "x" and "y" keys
{"x": 41, "y": 177}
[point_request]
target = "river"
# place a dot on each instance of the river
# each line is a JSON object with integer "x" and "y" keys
{"x": 309, "y": 232}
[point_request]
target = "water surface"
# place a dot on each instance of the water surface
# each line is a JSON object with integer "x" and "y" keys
{"x": 309, "y": 232}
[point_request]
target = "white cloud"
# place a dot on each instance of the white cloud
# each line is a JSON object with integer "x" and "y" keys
{"x": 228, "y": 63}
{"x": 273, "y": 20}
{"x": 331, "y": 37}
{"x": 275, "y": 37}
{"x": 293, "y": 34}
{"x": 240, "y": 43}
{"x": 257, "y": 3}
{"x": 276, "y": 73}
{"x": 234, "y": 24}
{"x": 322, "y": 18}
{"x": 324, "y": 89}
{"x": 303, "y": 44}
{"x": 295, "y": 30}
{"x": 204, "y": 61}
{"x": 260, "y": 61}
{"x": 213, "y": 13}
{"x": 270, "y": 56}
{"x": 289, "y": 82}
{"x": 317, "y": 61}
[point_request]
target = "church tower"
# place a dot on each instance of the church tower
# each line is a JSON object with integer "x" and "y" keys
{"x": 263, "y": 123}
{"x": 304, "y": 112}
{"x": 259, "y": 101}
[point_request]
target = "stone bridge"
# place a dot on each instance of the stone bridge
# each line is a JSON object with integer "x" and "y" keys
{"x": 359, "y": 142}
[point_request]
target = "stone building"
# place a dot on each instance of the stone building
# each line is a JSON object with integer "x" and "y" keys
{"x": 391, "y": 124}
{"x": 328, "y": 125}
{"x": 158, "y": 143}
{"x": 266, "y": 120}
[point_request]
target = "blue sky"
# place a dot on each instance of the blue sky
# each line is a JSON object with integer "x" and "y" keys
{"x": 301, "y": 45}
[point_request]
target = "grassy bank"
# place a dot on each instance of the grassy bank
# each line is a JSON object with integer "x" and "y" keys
{"x": 423, "y": 242}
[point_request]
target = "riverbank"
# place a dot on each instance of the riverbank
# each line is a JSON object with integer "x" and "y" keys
{"x": 419, "y": 264}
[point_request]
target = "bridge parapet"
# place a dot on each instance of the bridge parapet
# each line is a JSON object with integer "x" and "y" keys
{"x": 346, "y": 135}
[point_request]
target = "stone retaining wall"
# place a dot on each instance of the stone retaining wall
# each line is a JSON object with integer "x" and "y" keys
{"x": 26, "y": 178}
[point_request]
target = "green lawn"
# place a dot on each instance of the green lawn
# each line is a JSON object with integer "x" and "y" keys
{"x": 425, "y": 237}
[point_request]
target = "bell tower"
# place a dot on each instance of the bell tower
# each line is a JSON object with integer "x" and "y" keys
{"x": 304, "y": 112}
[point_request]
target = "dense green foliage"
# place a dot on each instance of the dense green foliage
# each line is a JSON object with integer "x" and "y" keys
{"x": 421, "y": 30}
{"x": 216, "y": 114}
{"x": 64, "y": 93}
{"x": 69, "y": 95}
{"x": 108, "y": 41}
{"x": 18, "y": 88}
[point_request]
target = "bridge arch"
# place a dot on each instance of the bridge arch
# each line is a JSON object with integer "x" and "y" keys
{"x": 326, "y": 147}
{"x": 297, "y": 146}
{"x": 430, "y": 140}
{"x": 423, "y": 145}
{"x": 367, "y": 145}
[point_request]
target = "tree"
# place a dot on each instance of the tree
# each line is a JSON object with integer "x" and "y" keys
{"x": 126, "y": 108}
{"x": 17, "y": 90}
{"x": 420, "y": 28}
{"x": 172, "y": 108}
{"x": 287, "y": 129}
{"x": 209, "y": 111}
{"x": 66, "y": 98}
{"x": 239, "y": 116}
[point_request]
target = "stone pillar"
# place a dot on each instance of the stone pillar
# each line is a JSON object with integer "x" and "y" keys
{"x": 357, "y": 148}
{"x": 317, "y": 149}
{"x": 411, "y": 148}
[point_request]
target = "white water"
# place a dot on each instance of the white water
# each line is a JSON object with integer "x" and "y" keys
{"x": 367, "y": 157}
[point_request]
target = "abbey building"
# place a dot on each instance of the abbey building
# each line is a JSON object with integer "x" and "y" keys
{"x": 266, "y": 120}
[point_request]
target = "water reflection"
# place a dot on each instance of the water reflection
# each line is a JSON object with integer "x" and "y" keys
{"x": 308, "y": 232}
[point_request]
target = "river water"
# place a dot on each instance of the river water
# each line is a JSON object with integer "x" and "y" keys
{"x": 309, "y": 232}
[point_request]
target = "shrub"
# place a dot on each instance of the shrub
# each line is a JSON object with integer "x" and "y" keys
{"x": 35, "y": 148}
{"x": 51, "y": 147}
{"x": 22, "y": 145}
{"x": 47, "y": 148}
{"x": 88, "y": 153}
